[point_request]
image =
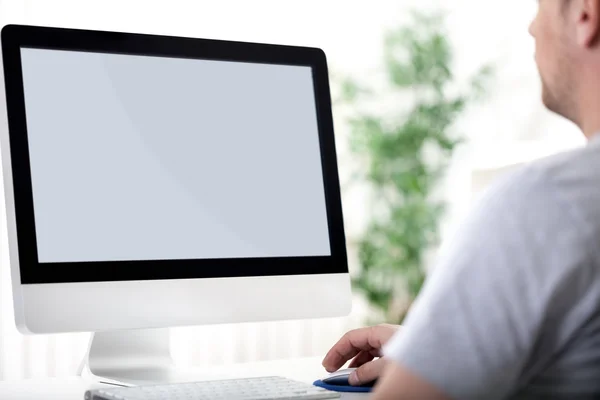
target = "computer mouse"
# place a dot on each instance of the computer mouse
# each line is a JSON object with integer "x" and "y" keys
{"x": 340, "y": 378}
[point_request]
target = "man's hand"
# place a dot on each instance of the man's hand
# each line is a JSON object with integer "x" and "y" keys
{"x": 398, "y": 383}
{"x": 361, "y": 346}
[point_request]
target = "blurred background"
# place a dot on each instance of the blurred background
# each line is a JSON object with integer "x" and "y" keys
{"x": 433, "y": 100}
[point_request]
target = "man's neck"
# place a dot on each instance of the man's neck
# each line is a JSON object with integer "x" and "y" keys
{"x": 588, "y": 102}
{"x": 589, "y": 116}
{"x": 593, "y": 136}
{"x": 590, "y": 130}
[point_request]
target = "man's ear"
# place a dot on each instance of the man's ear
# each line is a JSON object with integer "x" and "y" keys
{"x": 587, "y": 19}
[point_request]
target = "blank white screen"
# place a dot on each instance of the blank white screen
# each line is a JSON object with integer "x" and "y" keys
{"x": 144, "y": 158}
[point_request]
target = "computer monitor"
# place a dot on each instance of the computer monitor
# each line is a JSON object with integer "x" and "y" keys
{"x": 155, "y": 181}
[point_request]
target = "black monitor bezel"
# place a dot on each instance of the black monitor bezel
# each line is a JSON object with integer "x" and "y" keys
{"x": 15, "y": 37}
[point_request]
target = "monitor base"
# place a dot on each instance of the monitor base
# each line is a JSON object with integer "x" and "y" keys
{"x": 131, "y": 358}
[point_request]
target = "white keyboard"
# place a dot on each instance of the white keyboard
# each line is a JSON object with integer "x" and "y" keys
{"x": 266, "y": 388}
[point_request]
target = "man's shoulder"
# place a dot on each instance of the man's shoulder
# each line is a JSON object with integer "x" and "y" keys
{"x": 568, "y": 182}
{"x": 574, "y": 170}
{"x": 574, "y": 175}
{"x": 580, "y": 160}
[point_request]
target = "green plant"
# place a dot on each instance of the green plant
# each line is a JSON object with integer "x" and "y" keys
{"x": 402, "y": 156}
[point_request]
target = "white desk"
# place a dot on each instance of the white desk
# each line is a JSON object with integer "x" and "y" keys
{"x": 73, "y": 388}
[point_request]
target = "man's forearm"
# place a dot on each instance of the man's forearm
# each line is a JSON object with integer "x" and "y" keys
{"x": 398, "y": 383}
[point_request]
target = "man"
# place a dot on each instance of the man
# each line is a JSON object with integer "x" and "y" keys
{"x": 513, "y": 309}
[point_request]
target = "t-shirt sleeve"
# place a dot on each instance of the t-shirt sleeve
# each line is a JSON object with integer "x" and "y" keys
{"x": 474, "y": 329}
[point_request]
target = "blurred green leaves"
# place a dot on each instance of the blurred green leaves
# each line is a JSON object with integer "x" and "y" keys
{"x": 405, "y": 157}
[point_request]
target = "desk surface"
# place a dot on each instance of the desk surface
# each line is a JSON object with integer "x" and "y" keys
{"x": 73, "y": 388}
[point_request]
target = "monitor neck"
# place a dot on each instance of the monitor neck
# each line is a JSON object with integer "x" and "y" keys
{"x": 131, "y": 358}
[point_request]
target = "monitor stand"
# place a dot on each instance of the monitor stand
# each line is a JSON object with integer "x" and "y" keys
{"x": 131, "y": 358}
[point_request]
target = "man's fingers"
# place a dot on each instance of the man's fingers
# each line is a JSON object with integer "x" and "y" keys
{"x": 346, "y": 348}
{"x": 355, "y": 341}
{"x": 367, "y": 372}
{"x": 362, "y": 358}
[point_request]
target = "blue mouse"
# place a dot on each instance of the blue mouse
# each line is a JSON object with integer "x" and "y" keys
{"x": 338, "y": 381}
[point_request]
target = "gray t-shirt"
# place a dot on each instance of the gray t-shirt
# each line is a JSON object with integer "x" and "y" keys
{"x": 512, "y": 310}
